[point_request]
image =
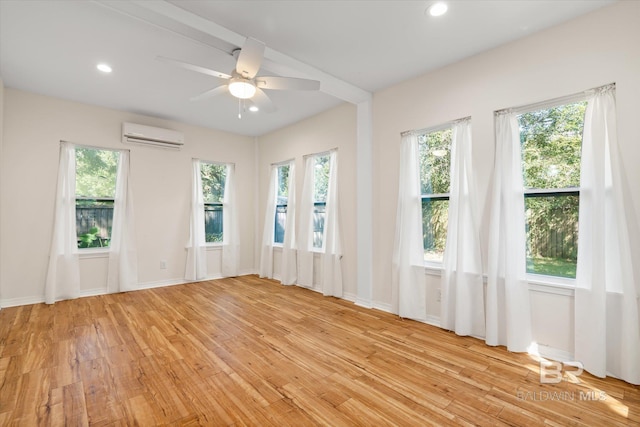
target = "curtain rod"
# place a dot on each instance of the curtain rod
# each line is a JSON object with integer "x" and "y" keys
{"x": 322, "y": 153}
{"x": 93, "y": 147}
{"x": 284, "y": 162}
{"x": 436, "y": 128}
{"x": 550, "y": 103}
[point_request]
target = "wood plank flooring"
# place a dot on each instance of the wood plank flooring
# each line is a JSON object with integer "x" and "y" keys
{"x": 247, "y": 351}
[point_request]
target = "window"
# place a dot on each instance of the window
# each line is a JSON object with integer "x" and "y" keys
{"x": 213, "y": 177}
{"x": 282, "y": 200}
{"x": 551, "y": 141}
{"x": 435, "y": 165}
{"x": 96, "y": 172}
{"x": 320, "y": 186}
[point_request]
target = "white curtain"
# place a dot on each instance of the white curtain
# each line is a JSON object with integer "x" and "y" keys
{"x": 462, "y": 299}
{"x": 508, "y": 313}
{"x": 288, "y": 270}
{"x": 230, "y": 232}
{"x": 408, "y": 279}
{"x": 63, "y": 273}
{"x": 196, "y": 268}
{"x": 332, "y": 255}
{"x": 123, "y": 258}
{"x": 305, "y": 246}
{"x": 607, "y": 324}
{"x": 266, "y": 253}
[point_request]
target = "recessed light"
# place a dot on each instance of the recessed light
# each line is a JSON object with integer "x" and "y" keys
{"x": 438, "y": 9}
{"x": 104, "y": 68}
{"x": 253, "y": 108}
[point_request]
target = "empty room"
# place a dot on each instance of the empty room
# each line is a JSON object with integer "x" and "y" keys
{"x": 336, "y": 213}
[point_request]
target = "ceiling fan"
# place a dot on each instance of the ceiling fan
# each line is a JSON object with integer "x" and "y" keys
{"x": 243, "y": 82}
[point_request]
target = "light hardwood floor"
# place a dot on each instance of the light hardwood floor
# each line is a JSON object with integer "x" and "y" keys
{"x": 247, "y": 351}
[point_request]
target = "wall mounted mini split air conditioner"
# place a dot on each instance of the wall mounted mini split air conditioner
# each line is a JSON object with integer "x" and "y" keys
{"x": 153, "y": 136}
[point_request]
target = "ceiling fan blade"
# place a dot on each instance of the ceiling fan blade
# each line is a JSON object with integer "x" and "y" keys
{"x": 211, "y": 93}
{"x": 196, "y": 68}
{"x": 250, "y": 58}
{"x": 286, "y": 83}
{"x": 263, "y": 102}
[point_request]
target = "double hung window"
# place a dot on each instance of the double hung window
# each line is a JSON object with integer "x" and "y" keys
{"x": 320, "y": 187}
{"x": 435, "y": 185}
{"x": 213, "y": 177}
{"x": 282, "y": 201}
{"x": 551, "y": 140}
{"x": 96, "y": 171}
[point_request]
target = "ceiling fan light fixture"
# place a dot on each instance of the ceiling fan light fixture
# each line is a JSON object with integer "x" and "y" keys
{"x": 242, "y": 89}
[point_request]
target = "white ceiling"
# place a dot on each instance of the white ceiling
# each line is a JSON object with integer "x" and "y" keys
{"x": 52, "y": 47}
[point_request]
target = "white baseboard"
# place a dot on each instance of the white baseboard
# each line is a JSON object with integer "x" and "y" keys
{"x": 14, "y": 302}
{"x": 381, "y": 306}
{"x": 433, "y": 321}
{"x": 349, "y": 297}
{"x": 554, "y": 353}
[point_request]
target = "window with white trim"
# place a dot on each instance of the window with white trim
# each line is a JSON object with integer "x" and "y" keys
{"x": 282, "y": 201}
{"x": 551, "y": 142}
{"x": 320, "y": 187}
{"x": 435, "y": 185}
{"x": 96, "y": 172}
{"x": 213, "y": 176}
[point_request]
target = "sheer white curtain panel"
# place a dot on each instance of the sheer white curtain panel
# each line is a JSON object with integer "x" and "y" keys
{"x": 63, "y": 272}
{"x": 332, "y": 255}
{"x": 409, "y": 297}
{"x": 508, "y": 313}
{"x": 196, "y": 268}
{"x": 288, "y": 268}
{"x": 230, "y": 229}
{"x": 123, "y": 258}
{"x": 462, "y": 299}
{"x": 305, "y": 242}
{"x": 266, "y": 250}
{"x": 607, "y": 322}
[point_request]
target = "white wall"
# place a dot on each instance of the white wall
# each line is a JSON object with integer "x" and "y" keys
{"x": 1, "y": 198}
{"x": 593, "y": 50}
{"x": 161, "y": 180}
{"x": 335, "y": 128}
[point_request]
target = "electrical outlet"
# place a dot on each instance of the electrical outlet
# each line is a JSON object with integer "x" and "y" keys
{"x": 163, "y": 265}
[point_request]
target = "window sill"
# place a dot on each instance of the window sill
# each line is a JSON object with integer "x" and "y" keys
{"x": 93, "y": 253}
{"x": 537, "y": 282}
{"x": 213, "y": 246}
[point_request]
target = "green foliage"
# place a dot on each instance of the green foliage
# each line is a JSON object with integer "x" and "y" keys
{"x": 552, "y": 267}
{"x": 213, "y": 180}
{"x": 91, "y": 239}
{"x": 213, "y": 237}
{"x": 96, "y": 172}
{"x": 551, "y": 150}
{"x": 321, "y": 178}
{"x": 435, "y": 171}
{"x": 283, "y": 181}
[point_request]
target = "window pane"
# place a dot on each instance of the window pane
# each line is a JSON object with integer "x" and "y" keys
{"x": 321, "y": 179}
{"x": 96, "y": 172}
{"x": 281, "y": 220}
{"x": 435, "y": 215}
{"x": 435, "y": 162}
{"x": 213, "y": 222}
{"x": 318, "y": 224}
{"x": 213, "y": 180}
{"x": 281, "y": 204}
{"x": 551, "y": 146}
{"x": 94, "y": 219}
{"x": 552, "y": 234}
